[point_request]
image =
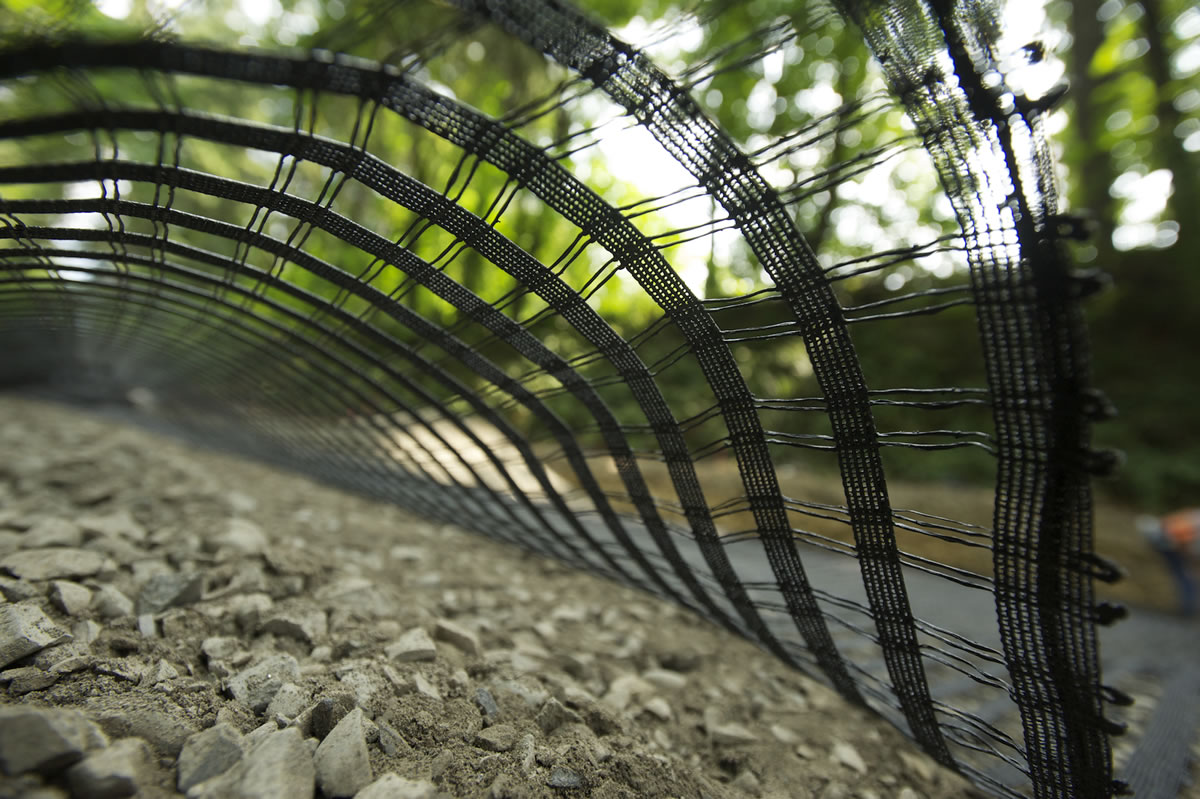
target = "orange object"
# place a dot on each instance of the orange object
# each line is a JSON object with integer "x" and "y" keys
{"x": 1182, "y": 527}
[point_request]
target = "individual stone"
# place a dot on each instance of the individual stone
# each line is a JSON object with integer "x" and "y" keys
{"x": 748, "y": 783}
{"x": 408, "y": 554}
{"x": 412, "y": 646}
{"x": 307, "y": 626}
{"x": 124, "y": 643}
{"x": 364, "y": 684}
{"x": 906, "y": 792}
{"x": 497, "y": 738}
{"x": 524, "y": 754}
{"x": 248, "y": 607}
{"x": 142, "y": 716}
{"x": 457, "y": 636}
{"x": 280, "y": 766}
{"x": 303, "y": 721}
{"x": 110, "y": 603}
{"x": 122, "y": 668}
{"x": 162, "y": 671}
{"x": 391, "y": 742}
{"x": 487, "y": 704}
{"x": 87, "y": 631}
{"x": 18, "y": 590}
{"x": 399, "y": 683}
{"x": 70, "y": 665}
{"x": 241, "y": 503}
{"x": 56, "y": 562}
{"x": 659, "y": 708}
{"x": 221, "y": 647}
{"x": 243, "y": 536}
{"x": 52, "y": 656}
{"x": 46, "y": 740}
{"x": 729, "y": 733}
{"x": 390, "y": 786}
{"x": 25, "y": 629}
{"x": 208, "y": 754}
{"x": 564, "y": 778}
{"x": 783, "y": 734}
{"x": 71, "y": 598}
{"x": 260, "y": 732}
{"x": 27, "y": 678}
{"x": 120, "y": 550}
{"x": 601, "y": 751}
{"x": 342, "y": 763}
{"x": 329, "y": 712}
{"x": 292, "y": 561}
{"x": 169, "y": 590}
{"x": 665, "y": 678}
{"x": 425, "y": 687}
{"x": 919, "y": 766}
{"x": 528, "y": 690}
{"x": 52, "y": 532}
{"x": 625, "y": 689}
{"x": 119, "y": 770}
{"x": 553, "y": 715}
{"x": 600, "y": 719}
{"x": 118, "y": 524}
{"x": 147, "y": 626}
{"x": 256, "y": 686}
{"x": 845, "y": 754}
{"x": 569, "y": 613}
{"x": 289, "y": 701}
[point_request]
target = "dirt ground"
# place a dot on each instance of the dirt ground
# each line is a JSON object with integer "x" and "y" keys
{"x": 1146, "y": 581}
{"x": 480, "y": 670}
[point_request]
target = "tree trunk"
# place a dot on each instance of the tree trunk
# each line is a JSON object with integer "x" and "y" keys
{"x": 1183, "y": 165}
{"x": 1095, "y": 175}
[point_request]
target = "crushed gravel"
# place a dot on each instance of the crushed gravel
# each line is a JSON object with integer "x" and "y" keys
{"x": 179, "y": 622}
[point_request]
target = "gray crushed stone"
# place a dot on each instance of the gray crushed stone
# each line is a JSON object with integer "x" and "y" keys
{"x": 238, "y": 632}
{"x": 71, "y": 598}
{"x": 342, "y": 761}
{"x": 256, "y": 686}
{"x": 208, "y": 754}
{"x": 56, "y": 562}
{"x": 25, "y": 629}
{"x": 44, "y": 739}
{"x": 120, "y": 769}
{"x": 279, "y": 766}
{"x": 168, "y": 591}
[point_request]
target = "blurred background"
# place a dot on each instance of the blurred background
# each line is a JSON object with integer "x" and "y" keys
{"x": 798, "y": 90}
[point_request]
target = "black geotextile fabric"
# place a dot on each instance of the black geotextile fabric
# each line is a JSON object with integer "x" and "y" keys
{"x": 221, "y": 300}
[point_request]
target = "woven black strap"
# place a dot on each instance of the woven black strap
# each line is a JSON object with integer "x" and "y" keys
{"x": 274, "y": 341}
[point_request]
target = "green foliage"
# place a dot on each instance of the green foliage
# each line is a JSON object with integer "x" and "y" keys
{"x": 819, "y": 83}
{"x": 1130, "y": 116}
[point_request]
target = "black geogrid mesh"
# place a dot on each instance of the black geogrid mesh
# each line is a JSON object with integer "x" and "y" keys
{"x": 476, "y": 372}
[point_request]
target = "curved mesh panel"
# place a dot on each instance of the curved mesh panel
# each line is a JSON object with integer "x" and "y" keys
{"x": 513, "y": 271}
